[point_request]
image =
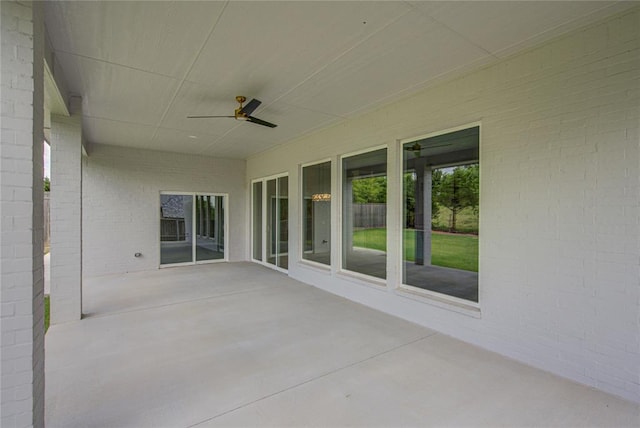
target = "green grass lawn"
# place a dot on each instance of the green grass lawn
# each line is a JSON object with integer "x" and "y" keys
{"x": 466, "y": 220}
{"x": 455, "y": 251}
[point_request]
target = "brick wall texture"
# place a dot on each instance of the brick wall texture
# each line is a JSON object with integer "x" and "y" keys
{"x": 559, "y": 214}
{"x": 66, "y": 216}
{"x": 21, "y": 217}
{"x": 121, "y": 203}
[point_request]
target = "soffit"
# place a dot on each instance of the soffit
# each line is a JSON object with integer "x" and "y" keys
{"x": 142, "y": 67}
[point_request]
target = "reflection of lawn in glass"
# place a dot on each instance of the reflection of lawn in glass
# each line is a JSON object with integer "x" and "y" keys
{"x": 449, "y": 250}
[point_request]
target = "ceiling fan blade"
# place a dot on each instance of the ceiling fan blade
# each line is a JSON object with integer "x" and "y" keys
{"x": 250, "y": 107}
{"x": 418, "y": 147}
{"x": 206, "y": 117}
{"x": 261, "y": 122}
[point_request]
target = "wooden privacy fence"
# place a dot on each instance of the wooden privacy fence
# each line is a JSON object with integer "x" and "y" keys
{"x": 172, "y": 229}
{"x": 369, "y": 215}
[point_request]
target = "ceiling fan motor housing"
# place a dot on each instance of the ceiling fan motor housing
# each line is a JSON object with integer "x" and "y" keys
{"x": 244, "y": 112}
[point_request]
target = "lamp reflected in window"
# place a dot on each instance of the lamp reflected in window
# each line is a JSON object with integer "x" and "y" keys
{"x": 316, "y": 213}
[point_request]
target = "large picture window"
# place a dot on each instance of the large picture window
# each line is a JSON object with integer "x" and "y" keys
{"x": 441, "y": 203}
{"x": 364, "y": 213}
{"x": 316, "y": 213}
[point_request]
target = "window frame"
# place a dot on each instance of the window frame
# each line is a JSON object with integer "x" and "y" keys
{"x": 410, "y": 290}
{"x": 264, "y": 181}
{"x": 225, "y": 207}
{"x": 377, "y": 283}
{"x": 300, "y": 254}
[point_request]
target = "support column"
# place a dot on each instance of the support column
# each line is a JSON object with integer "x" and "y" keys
{"x": 66, "y": 217}
{"x": 427, "y": 189}
{"x": 207, "y": 217}
{"x": 419, "y": 211}
{"x": 213, "y": 208}
{"x": 219, "y": 222}
{"x": 189, "y": 207}
{"x": 347, "y": 225}
{"x": 423, "y": 212}
{"x": 21, "y": 216}
{"x": 200, "y": 207}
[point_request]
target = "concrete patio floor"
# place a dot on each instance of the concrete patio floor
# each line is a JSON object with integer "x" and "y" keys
{"x": 237, "y": 344}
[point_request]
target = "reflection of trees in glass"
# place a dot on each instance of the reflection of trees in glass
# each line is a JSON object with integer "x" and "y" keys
{"x": 410, "y": 201}
{"x": 456, "y": 189}
{"x": 204, "y": 204}
{"x": 370, "y": 190}
{"x": 409, "y": 185}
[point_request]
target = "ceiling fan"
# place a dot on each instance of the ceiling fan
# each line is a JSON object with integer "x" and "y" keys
{"x": 417, "y": 148}
{"x": 243, "y": 113}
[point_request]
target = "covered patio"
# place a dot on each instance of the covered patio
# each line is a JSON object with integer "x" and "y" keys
{"x": 277, "y": 124}
{"x": 238, "y": 344}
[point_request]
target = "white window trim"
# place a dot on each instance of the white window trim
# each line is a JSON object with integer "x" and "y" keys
{"x": 193, "y": 220}
{"x": 442, "y": 132}
{"x": 300, "y": 257}
{"x": 340, "y": 270}
{"x": 440, "y": 300}
{"x": 251, "y": 223}
{"x": 428, "y": 296}
{"x": 263, "y": 262}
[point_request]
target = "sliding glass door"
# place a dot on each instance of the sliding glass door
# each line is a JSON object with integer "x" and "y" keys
{"x": 209, "y": 227}
{"x": 256, "y": 221}
{"x": 270, "y": 221}
{"x": 192, "y": 228}
{"x": 176, "y": 237}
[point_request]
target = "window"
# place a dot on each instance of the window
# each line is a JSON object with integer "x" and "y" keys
{"x": 257, "y": 220}
{"x": 441, "y": 203}
{"x": 192, "y": 228}
{"x": 364, "y": 213}
{"x": 270, "y": 221}
{"x": 316, "y": 213}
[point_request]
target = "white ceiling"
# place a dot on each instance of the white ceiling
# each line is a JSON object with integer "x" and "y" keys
{"x": 142, "y": 67}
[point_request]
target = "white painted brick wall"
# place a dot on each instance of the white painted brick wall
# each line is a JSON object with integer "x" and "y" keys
{"x": 66, "y": 216}
{"x": 21, "y": 216}
{"x": 559, "y": 245}
{"x": 121, "y": 203}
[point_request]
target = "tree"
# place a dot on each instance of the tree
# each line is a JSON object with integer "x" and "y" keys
{"x": 47, "y": 184}
{"x": 456, "y": 189}
{"x": 370, "y": 190}
{"x": 410, "y": 197}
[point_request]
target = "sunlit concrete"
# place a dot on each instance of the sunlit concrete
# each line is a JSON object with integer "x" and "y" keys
{"x": 239, "y": 344}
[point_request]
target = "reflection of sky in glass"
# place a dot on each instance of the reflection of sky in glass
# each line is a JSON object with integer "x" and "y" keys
{"x": 47, "y": 160}
{"x": 447, "y": 170}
